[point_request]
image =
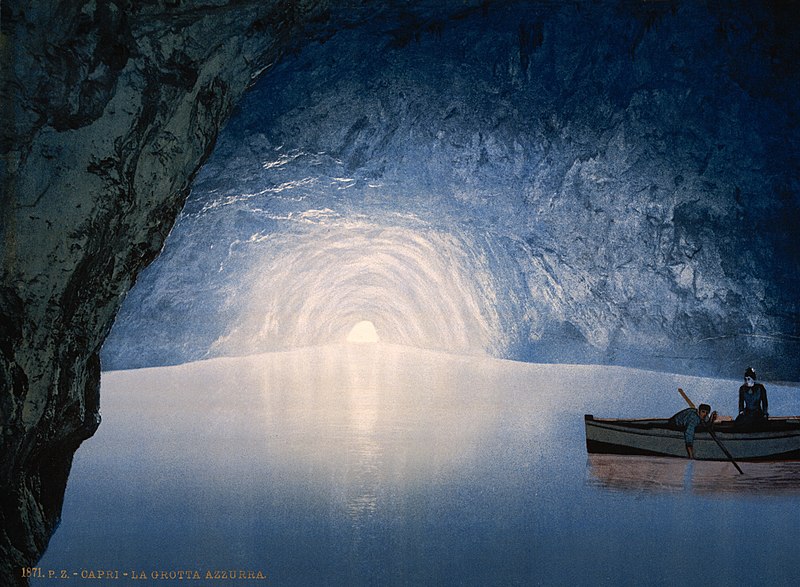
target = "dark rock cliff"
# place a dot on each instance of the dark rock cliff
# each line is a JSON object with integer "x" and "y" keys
{"x": 110, "y": 107}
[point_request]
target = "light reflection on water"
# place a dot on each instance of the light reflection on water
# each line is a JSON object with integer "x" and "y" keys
{"x": 376, "y": 465}
{"x": 641, "y": 473}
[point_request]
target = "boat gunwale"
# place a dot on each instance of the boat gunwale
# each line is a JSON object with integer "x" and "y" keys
{"x": 619, "y": 425}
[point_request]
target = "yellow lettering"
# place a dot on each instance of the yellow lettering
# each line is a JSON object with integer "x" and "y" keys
{"x": 28, "y": 572}
{"x": 222, "y": 574}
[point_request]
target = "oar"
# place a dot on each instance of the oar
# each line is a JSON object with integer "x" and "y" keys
{"x": 686, "y": 397}
{"x": 714, "y": 436}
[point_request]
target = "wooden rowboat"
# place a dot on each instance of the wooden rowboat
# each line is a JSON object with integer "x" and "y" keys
{"x": 778, "y": 440}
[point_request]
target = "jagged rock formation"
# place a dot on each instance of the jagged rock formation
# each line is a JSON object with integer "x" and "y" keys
{"x": 616, "y": 182}
{"x": 110, "y": 107}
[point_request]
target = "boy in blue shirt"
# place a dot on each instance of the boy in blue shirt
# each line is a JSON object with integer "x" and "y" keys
{"x": 688, "y": 420}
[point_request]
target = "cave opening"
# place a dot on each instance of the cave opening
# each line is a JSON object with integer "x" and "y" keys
{"x": 324, "y": 201}
{"x": 535, "y": 181}
{"x": 363, "y": 331}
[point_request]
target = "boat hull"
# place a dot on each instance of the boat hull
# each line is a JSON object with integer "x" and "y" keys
{"x": 778, "y": 441}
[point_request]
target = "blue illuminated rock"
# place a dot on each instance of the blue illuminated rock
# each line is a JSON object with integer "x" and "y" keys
{"x": 617, "y": 184}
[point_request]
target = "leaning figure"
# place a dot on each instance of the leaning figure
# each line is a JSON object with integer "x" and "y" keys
{"x": 688, "y": 420}
{"x": 752, "y": 402}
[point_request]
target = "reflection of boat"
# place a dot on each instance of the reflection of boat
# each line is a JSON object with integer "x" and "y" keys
{"x": 639, "y": 473}
{"x": 778, "y": 440}
{"x": 657, "y": 475}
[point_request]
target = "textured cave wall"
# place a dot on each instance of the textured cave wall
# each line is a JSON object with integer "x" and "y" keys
{"x": 636, "y": 167}
{"x": 108, "y": 108}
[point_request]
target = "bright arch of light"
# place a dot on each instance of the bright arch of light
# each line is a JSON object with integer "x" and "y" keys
{"x": 417, "y": 285}
{"x": 363, "y": 332}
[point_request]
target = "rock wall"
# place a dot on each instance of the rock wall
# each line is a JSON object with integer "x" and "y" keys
{"x": 625, "y": 182}
{"x": 109, "y": 107}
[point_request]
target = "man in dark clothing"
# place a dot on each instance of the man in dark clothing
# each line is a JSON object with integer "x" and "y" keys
{"x": 688, "y": 420}
{"x": 752, "y": 402}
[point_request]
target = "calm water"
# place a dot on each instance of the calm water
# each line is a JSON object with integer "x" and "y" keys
{"x": 374, "y": 465}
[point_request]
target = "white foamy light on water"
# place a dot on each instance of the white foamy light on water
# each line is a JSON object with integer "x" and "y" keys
{"x": 415, "y": 285}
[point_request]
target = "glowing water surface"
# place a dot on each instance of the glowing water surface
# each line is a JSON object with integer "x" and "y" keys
{"x": 379, "y": 465}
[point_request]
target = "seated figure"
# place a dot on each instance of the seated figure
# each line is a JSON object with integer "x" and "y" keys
{"x": 752, "y": 403}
